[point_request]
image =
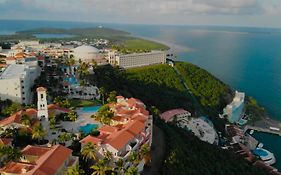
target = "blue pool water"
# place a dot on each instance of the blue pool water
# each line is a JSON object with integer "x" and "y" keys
{"x": 71, "y": 80}
{"x": 87, "y": 129}
{"x": 90, "y": 109}
{"x": 260, "y": 152}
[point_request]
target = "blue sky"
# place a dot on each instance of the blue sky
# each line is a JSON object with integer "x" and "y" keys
{"x": 264, "y": 13}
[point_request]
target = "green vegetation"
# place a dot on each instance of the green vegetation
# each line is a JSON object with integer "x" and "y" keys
{"x": 10, "y": 108}
{"x": 76, "y": 103}
{"x": 190, "y": 156}
{"x": 211, "y": 92}
{"x": 119, "y": 40}
{"x": 137, "y": 45}
{"x": 155, "y": 85}
{"x": 254, "y": 110}
{"x": 104, "y": 115}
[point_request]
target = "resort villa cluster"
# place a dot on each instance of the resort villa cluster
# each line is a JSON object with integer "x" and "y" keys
{"x": 127, "y": 132}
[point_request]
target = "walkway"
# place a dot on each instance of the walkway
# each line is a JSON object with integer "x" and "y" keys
{"x": 191, "y": 95}
{"x": 262, "y": 129}
{"x": 157, "y": 153}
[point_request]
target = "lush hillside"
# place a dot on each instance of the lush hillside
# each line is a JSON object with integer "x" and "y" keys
{"x": 155, "y": 85}
{"x": 187, "y": 155}
{"x": 212, "y": 94}
{"x": 160, "y": 86}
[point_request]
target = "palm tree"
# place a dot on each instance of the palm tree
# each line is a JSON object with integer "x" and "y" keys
{"x": 83, "y": 70}
{"x": 89, "y": 151}
{"x": 70, "y": 62}
{"x": 94, "y": 64}
{"x": 145, "y": 152}
{"x": 38, "y": 132}
{"x": 100, "y": 168}
{"x": 132, "y": 171}
{"x": 72, "y": 116}
{"x": 25, "y": 120}
{"x": 119, "y": 164}
{"x": 155, "y": 111}
{"x": 102, "y": 93}
{"x": 75, "y": 170}
{"x": 134, "y": 157}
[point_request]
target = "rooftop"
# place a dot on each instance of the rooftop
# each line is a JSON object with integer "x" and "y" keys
{"x": 167, "y": 116}
{"x": 14, "y": 71}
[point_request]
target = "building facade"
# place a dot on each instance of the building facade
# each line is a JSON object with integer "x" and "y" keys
{"x": 138, "y": 59}
{"x": 16, "y": 82}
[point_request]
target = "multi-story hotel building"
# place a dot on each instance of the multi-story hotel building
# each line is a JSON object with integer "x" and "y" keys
{"x": 16, "y": 82}
{"x": 137, "y": 59}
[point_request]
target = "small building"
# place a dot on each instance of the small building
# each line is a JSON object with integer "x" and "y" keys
{"x": 37, "y": 160}
{"x": 175, "y": 114}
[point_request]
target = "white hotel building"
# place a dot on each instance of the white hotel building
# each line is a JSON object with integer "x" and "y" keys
{"x": 137, "y": 59}
{"x": 16, "y": 82}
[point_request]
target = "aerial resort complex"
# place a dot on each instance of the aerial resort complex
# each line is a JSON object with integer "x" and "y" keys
{"x": 54, "y": 114}
{"x": 120, "y": 105}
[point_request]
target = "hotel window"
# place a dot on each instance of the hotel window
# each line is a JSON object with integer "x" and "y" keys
{"x": 42, "y": 96}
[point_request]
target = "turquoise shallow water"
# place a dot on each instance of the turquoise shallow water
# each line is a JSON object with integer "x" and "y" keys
{"x": 248, "y": 59}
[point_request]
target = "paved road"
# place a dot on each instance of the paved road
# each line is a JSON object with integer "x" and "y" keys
{"x": 157, "y": 152}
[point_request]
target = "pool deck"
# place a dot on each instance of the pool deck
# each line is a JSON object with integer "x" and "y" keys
{"x": 83, "y": 119}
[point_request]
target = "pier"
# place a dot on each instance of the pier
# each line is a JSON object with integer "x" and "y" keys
{"x": 262, "y": 129}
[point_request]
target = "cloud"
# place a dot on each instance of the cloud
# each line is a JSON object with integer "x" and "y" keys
{"x": 147, "y": 6}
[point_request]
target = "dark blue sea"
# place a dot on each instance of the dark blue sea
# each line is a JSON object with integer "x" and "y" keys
{"x": 248, "y": 59}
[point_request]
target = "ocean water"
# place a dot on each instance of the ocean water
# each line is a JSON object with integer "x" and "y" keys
{"x": 248, "y": 59}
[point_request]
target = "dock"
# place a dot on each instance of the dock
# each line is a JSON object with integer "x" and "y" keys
{"x": 262, "y": 129}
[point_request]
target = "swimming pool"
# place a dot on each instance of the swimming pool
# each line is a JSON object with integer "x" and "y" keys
{"x": 90, "y": 109}
{"x": 260, "y": 152}
{"x": 87, "y": 129}
{"x": 71, "y": 80}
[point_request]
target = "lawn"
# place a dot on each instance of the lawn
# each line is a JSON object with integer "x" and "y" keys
{"x": 141, "y": 44}
{"x": 75, "y": 103}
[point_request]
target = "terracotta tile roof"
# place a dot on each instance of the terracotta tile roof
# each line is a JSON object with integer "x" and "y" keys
{"x": 119, "y": 139}
{"x": 3, "y": 65}
{"x": 10, "y": 58}
{"x": 57, "y": 107}
{"x": 20, "y": 55}
{"x": 15, "y": 118}
{"x": 5, "y": 141}
{"x": 93, "y": 140}
{"x": 135, "y": 127}
{"x": 108, "y": 129}
{"x": 41, "y": 89}
{"x": 49, "y": 161}
{"x": 16, "y": 168}
{"x": 35, "y": 150}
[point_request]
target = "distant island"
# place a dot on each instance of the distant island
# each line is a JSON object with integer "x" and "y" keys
{"x": 120, "y": 40}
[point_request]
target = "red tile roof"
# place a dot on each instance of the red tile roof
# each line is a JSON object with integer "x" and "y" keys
{"x": 168, "y": 115}
{"x": 5, "y": 141}
{"x": 57, "y": 107}
{"x": 92, "y": 139}
{"x": 41, "y": 89}
{"x": 49, "y": 160}
{"x": 16, "y": 168}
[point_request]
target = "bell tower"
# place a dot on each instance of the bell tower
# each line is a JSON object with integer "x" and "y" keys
{"x": 42, "y": 106}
